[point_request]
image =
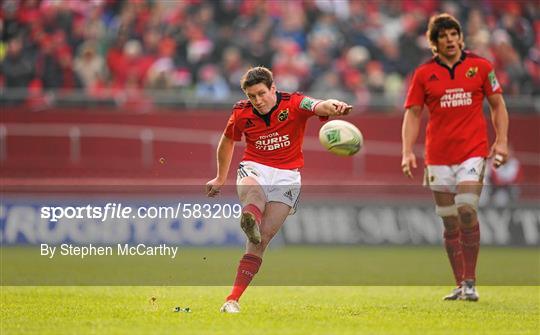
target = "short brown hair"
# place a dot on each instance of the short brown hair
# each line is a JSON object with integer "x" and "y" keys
{"x": 257, "y": 75}
{"x": 438, "y": 24}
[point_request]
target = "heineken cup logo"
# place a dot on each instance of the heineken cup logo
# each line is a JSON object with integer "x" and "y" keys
{"x": 332, "y": 136}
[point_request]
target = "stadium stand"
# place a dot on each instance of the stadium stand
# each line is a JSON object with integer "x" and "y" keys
{"x": 362, "y": 48}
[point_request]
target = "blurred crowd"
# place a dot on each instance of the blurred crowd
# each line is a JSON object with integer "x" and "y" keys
{"x": 338, "y": 47}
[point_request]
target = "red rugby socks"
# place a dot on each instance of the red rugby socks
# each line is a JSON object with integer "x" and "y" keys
{"x": 470, "y": 244}
{"x": 454, "y": 250}
{"x": 248, "y": 267}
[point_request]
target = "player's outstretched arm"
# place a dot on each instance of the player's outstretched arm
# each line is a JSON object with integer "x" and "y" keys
{"x": 499, "y": 118}
{"x": 409, "y": 134}
{"x": 224, "y": 156}
{"x": 332, "y": 107}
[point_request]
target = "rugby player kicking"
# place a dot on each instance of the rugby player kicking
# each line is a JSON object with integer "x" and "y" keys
{"x": 268, "y": 178}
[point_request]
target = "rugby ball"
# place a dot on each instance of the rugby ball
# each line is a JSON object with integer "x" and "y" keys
{"x": 341, "y": 138}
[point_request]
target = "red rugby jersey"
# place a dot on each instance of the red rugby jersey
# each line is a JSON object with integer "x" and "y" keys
{"x": 454, "y": 96}
{"x": 274, "y": 139}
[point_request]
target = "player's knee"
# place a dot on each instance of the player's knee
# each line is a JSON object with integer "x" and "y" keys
{"x": 467, "y": 215}
{"x": 253, "y": 196}
{"x": 258, "y": 197}
{"x": 467, "y": 205}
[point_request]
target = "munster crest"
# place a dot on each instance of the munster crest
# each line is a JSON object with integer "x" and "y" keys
{"x": 471, "y": 72}
{"x": 283, "y": 115}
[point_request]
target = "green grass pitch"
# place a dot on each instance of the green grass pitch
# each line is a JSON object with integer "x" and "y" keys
{"x": 345, "y": 299}
{"x": 268, "y": 310}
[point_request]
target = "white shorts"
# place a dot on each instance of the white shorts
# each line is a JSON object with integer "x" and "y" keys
{"x": 278, "y": 185}
{"x": 445, "y": 178}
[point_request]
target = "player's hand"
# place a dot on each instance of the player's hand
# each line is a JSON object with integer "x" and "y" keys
{"x": 408, "y": 162}
{"x": 341, "y": 108}
{"x": 499, "y": 152}
{"x": 213, "y": 187}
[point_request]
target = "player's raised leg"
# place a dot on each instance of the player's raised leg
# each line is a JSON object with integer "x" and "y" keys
{"x": 253, "y": 201}
{"x": 274, "y": 216}
{"x": 467, "y": 205}
{"x": 447, "y": 210}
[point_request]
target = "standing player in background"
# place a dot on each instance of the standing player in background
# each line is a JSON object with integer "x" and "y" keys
{"x": 268, "y": 179}
{"x": 453, "y": 86}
